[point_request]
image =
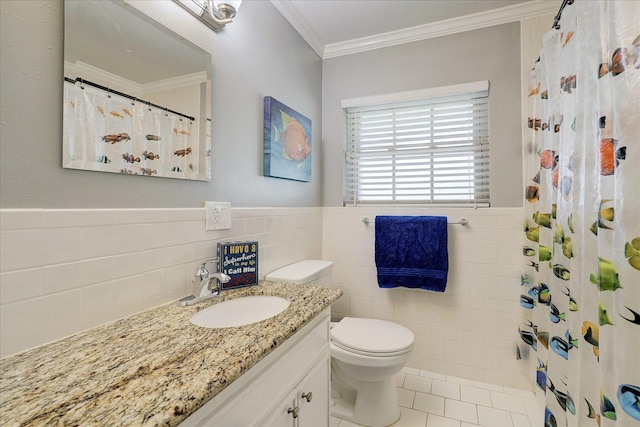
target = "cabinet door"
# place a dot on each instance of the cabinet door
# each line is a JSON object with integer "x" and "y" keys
{"x": 314, "y": 407}
{"x": 286, "y": 413}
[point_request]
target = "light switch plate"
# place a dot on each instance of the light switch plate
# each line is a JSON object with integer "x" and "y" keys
{"x": 217, "y": 215}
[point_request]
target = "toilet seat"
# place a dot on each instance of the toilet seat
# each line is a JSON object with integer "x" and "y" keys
{"x": 371, "y": 337}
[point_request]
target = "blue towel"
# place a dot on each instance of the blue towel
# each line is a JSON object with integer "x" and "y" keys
{"x": 411, "y": 251}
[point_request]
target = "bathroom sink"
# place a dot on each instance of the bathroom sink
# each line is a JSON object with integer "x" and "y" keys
{"x": 239, "y": 311}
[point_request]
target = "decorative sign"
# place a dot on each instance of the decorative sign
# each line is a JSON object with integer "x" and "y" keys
{"x": 287, "y": 142}
{"x": 238, "y": 260}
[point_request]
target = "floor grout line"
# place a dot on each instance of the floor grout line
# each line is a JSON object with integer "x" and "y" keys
{"x": 485, "y": 387}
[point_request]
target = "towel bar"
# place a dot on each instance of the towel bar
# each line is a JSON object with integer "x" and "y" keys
{"x": 462, "y": 221}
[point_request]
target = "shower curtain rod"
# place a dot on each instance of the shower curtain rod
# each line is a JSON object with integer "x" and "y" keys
{"x": 556, "y": 20}
{"x": 142, "y": 101}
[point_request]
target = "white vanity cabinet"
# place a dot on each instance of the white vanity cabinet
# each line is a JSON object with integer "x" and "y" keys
{"x": 307, "y": 405}
{"x": 271, "y": 392}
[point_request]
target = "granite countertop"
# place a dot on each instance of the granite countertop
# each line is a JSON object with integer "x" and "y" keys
{"x": 153, "y": 368}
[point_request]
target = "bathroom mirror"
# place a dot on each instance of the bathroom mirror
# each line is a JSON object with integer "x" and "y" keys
{"x": 136, "y": 94}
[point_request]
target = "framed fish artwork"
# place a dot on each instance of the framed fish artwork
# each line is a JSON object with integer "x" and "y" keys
{"x": 287, "y": 142}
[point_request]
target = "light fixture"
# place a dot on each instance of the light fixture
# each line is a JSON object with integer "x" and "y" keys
{"x": 213, "y": 13}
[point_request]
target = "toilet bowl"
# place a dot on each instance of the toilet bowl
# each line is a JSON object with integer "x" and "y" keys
{"x": 365, "y": 356}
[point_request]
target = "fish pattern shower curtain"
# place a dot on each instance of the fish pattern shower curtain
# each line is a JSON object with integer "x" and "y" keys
{"x": 580, "y": 326}
{"x": 107, "y": 132}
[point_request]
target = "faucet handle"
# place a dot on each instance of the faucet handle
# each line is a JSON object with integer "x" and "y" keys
{"x": 202, "y": 270}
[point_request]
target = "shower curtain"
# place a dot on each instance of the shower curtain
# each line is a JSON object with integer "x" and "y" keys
{"x": 107, "y": 132}
{"x": 580, "y": 299}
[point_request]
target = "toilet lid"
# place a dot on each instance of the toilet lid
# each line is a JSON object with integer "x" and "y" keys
{"x": 371, "y": 337}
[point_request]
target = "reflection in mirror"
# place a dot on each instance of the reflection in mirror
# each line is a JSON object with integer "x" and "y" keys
{"x": 136, "y": 95}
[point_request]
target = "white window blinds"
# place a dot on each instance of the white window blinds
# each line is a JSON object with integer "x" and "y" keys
{"x": 422, "y": 147}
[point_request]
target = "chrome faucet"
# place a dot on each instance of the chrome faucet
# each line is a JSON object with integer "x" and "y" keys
{"x": 210, "y": 284}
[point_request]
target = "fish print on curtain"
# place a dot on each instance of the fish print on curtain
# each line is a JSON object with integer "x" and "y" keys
{"x": 110, "y": 133}
{"x": 580, "y": 297}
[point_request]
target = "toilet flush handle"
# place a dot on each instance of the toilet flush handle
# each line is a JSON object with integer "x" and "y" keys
{"x": 307, "y": 396}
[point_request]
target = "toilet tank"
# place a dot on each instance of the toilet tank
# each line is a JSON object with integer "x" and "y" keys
{"x": 314, "y": 271}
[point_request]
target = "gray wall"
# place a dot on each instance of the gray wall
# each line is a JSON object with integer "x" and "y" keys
{"x": 258, "y": 55}
{"x": 487, "y": 54}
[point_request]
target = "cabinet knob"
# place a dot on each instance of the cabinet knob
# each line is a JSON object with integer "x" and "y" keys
{"x": 307, "y": 396}
{"x": 294, "y": 411}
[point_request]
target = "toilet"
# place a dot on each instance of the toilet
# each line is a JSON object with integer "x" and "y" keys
{"x": 365, "y": 355}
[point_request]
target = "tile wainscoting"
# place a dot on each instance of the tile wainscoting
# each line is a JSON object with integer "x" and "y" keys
{"x": 470, "y": 330}
{"x": 65, "y": 271}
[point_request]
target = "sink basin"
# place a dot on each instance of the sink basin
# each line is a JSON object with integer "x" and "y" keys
{"x": 239, "y": 311}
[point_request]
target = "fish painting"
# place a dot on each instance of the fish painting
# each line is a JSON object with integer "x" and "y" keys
{"x": 543, "y": 338}
{"x": 184, "y": 132}
{"x": 606, "y": 407}
{"x": 534, "y": 265}
{"x": 527, "y": 251}
{"x": 527, "y": 301}
{"x": 542, "y": 219}
{"x": 183, "y": 152}
{"x": 604, "y": 214}
{"x": 148, "y": 171}
{"x": 535, "y": 91}
{"x": 635, "y": 319}
{"x": 528, "y": 338}
{"x": 567, "y": 38}
{"x": 532, "y": 193}
{"x": 629, "y": 399}
{"x": 555, "y": 315}
{"x": 544, "y": 253}
{"x": 610, "y": 156}
{"x": 532, "y": 233}
{"x": 548, "y": 159}
{"x": 632, "y": 252}
{"x": 176, "y": 169}
{"x": 591, "y": 333}
{"x": 151, "y": 137}
{"x": 561, "y": 346}
{"x": 101, "y": 111}
{"x": 130, "y": 158}
{"x": 541, "y": 375}
{"x": 524, "y": 280}
{"x": 549, "y": 418}
{"x": 591, "y": 412}
{"x": 607, "y": 278}
{"x": 116, "y": 114}
{"x": 567, "y": 247}
{"x": 560, "y": 271}
{"x": 103, "y": 159}
{"x": 150, "y": 155}
{"x": 573, "y": 305}
{"x": 113, "y": 138}
{"x": 541, "y": 293}
{"x": 564, "y": 399}
{"x": 602, "y": 315}
{"x": 127, "y": 112}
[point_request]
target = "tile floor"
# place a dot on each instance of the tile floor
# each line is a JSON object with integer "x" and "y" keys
{"x": 428, "y": 399}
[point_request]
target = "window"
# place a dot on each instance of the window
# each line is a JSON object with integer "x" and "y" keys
{"x": 429, "y": 146}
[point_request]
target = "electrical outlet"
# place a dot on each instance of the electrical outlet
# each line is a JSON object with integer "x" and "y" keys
{"x": 218, "y": 215}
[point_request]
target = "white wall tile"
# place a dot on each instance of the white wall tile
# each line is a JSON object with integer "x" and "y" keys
{"x": 103, "y": 264}
{"x": 20, "y": 285}
{"x": 477, "y": 307}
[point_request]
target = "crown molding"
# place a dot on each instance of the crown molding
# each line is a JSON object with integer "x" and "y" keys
{"x": 89, "y": 72}
{"x": 290, "y": 13}
{"x": 176, "y": 82}
{"x": 421, "y": 32}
